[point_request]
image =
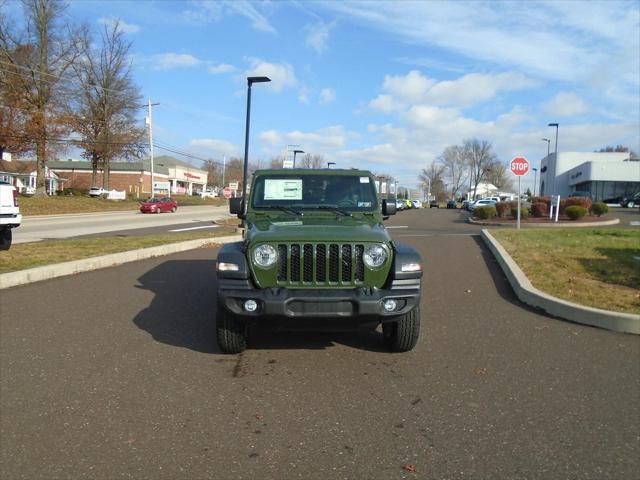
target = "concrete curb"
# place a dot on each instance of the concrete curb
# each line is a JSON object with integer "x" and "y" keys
{"x": 613, "y": 221}
{"x": 22, "y": 277}
{"x": 527, "y": 293}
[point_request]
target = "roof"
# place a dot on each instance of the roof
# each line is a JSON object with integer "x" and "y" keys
{"x": 17, "y": 166}
{"x": 138, "y": 166}
{"x": 313, "y": 171}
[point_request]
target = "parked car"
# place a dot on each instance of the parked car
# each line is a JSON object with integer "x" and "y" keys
{"x": 400, "y": 205}
{"x": 579, "y": 193}
{"x": 452, "y": 204}
{"x": 97, "y": 191}
{"x": 417, "y": 204}
{"x": 434, "y": 204}
{"x": 630, "y": 202}
{"x": 208, "y": 194}
{"x": 482, "y": 203}
{"x": 159, "y": 205}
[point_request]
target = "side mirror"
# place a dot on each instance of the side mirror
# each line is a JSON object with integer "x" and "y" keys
{"x": 235, "y": 206}
{"x": 388, "y": 207}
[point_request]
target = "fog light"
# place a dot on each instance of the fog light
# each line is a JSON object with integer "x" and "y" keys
{"x": 389, "y": 305}
{"x": 250, "y": 305}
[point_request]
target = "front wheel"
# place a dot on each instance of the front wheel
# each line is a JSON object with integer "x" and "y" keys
{"x": 231, "y": 333}
{"x": 173, "y": 209}
{"x": 402, "y": 335}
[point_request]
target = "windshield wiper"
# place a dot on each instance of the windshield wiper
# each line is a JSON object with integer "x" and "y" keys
{"x": 334, "y": 209}
{"x": 284, "y": 208}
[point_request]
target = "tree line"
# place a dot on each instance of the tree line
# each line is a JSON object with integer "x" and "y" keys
{"x": 465, "y": 166}
{"x": 59, "y": 87}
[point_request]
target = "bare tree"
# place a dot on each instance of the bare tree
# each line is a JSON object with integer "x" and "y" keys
{"x": 312, "y": 161}
{"x": 479, "y": 155}
{"x": 39, "y": 57}
{"x": 434, "y": 174}
{"x": 214, "y": 171}
{"x": 453, "y": 161}
{"x": 276, "y": 162}
{"x": 108, "y": 102}
{"x": 500, "y": 175}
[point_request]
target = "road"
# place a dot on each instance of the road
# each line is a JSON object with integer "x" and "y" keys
{"x": 34, "y": 229}
{"x": 116, "y": 374}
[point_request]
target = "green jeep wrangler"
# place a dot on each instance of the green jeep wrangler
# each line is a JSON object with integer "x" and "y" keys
{"x": 316, "y": 254}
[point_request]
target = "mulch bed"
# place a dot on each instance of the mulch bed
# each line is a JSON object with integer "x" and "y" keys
{"x": 540, "y": 220}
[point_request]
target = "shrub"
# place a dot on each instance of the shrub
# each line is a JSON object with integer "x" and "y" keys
{"x": 574, "y": 212}
{"x": 524, "y": 212}
{"x": 485, "y": 213}
{"x": 502, "y": 208}
{"x": 540, "y": 209}
{"x": 599, "y": 208}
{"x": 583, "y": 202}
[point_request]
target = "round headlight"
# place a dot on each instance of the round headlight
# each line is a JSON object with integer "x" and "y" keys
{"x": 375, "y": 256}
{"x": 265, "y": 256}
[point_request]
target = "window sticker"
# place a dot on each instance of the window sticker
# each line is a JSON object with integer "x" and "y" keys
{"x": 364, "y": 179}
{"x": 283, "y": 189}
{"x": 364, "y": 204}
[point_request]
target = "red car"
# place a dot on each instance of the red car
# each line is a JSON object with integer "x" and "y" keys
{"x": 158, "y": 205}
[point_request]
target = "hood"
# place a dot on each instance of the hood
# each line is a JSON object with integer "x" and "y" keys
{"x": 316, "y": 228}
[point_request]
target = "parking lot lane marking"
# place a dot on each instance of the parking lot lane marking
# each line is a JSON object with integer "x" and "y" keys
{"x": 193, "y": 228}
{"x": 634, "y": 224}
{"x": 398, "y": 226}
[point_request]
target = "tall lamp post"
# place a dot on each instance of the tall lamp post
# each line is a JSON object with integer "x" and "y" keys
{"x": 250, "y": 81}
{"x": 535, "y": 176}
{"x": 555, "y": 158}
{"x": 548, "y": 144}
{"x": 295, "y": 152}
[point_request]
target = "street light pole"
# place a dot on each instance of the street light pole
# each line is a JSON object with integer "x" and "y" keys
{"x": 535, "y": 176}
{"x": 548, "y": 144}
{"x": 555, "y": 158}
{"x": 250, "y": 81}
{"x": 295, "y": 152}
{"x": 150, "y": 123}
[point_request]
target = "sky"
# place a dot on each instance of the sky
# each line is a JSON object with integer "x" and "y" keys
{"x": 384, "y": 86}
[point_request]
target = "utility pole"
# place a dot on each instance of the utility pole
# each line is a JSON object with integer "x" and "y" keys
{"x": 224, "y": 167}
{"x": 150, "y": 123}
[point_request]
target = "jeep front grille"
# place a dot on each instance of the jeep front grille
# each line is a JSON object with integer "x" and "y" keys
{"x": 320, "y": 263}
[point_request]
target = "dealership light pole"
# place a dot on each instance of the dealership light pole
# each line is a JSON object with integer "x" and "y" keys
{"x": 250, "y": 81}
{"x": 548, "y": 144}
{"x": 555, "y": 158}
{"x": 150, "y": 123}
{"x": 295, "y": 152}
{"x": 535, "y": 176}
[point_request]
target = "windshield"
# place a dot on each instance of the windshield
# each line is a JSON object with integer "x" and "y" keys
{"x": 345, "y": 192}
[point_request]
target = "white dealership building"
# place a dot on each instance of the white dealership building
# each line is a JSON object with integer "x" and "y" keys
{"x": 607, "y": 176}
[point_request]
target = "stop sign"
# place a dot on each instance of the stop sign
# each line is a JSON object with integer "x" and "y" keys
{"x": 227, "y": 192}
{"x": 519, "y": 166}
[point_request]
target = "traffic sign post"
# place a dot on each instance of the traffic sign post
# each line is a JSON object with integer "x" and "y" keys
{"x": 519, "y": 167}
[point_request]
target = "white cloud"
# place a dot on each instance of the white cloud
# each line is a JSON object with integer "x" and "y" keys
{"x": 206, "y": 11}
{"x": 124, "y": 26}
{"x": 565, "y": 104}
{"x": 318, "y": 36}
{"x": 166, "y": 61}
{"x": 282, "y": 75}
{"x": 477, "y": 88}
{"x": 385, "y": 103}
{"x": 221, "y": 68}
{"x": 323, "y": 139}
{"x": 410, "y": 87}
{"x": 327, "y": 95}
{"x": 216, "y": 147}
{"x": 303, "y": 95}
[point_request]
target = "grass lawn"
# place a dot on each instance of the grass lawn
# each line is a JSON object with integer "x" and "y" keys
{"x": 595, "y": 267}
{"x": 56, "y": 205}
{"x": 28, "y": 255}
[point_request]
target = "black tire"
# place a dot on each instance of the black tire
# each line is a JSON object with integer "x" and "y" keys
{"x": 231, "y": 333}
{"x": 173, "y": 209}
{"x": 402, "y": 335}
{"x": 6, "y": 236}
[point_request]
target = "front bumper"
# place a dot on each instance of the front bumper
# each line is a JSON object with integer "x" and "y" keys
{"x": 357, "y": 304}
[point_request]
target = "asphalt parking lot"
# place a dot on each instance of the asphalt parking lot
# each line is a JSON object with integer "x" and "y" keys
{"x": 116, "y": 374}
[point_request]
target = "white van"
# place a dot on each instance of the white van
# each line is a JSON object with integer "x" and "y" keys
{"x": 10, "y": 216}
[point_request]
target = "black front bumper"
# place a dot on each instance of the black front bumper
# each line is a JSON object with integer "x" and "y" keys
{"x": 358, "y": 304}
